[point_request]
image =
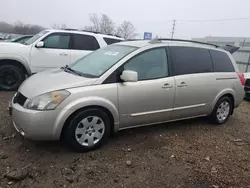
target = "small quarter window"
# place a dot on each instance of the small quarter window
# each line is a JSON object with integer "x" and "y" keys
{"x": 222, "y": 63}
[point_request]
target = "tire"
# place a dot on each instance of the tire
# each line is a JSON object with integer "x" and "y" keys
{"x": 222, "y": 111}
{"x": 82, "y": 127}
{"x": 11, "y": 77}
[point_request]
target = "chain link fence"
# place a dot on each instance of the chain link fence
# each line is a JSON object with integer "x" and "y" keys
{"x": 242, "y": 58}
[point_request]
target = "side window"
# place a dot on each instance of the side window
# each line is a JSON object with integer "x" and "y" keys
{"x": 85, "y": 42}
{"x": 110, "y": 40}
{"x": 191, "y": 60}
{"x": 222, "y": 63}
{"x": 151, "y": 64}
{"x": 21, "y": 41}
{"x": 57, "y": 41}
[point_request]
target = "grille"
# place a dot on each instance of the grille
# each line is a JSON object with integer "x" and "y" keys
{"x": 19, "y": 99}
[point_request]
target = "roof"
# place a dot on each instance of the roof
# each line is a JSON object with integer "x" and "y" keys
{"x": 135, "y": 43}
{"x": 142, "y": 43}
{"x": 84, "y": 32}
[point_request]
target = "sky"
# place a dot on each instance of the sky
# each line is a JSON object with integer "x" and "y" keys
{"x": 156, "y": 16}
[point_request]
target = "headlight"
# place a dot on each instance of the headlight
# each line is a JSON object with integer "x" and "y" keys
{"x": 47, "y": 101}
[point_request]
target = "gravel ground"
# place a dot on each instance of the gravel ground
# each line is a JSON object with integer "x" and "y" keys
{"x": 192, "y": 154}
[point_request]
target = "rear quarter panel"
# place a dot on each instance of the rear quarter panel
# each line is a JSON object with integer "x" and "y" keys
{"x": 229, "y": 83}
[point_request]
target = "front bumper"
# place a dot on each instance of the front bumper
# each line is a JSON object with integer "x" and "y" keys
{"x": 32, "y": 124}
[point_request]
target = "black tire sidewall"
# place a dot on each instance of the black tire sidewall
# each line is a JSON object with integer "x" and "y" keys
{"x": 17, "y": 70}
{"x": 214, "y": 114}
{"x": 69, "y": 132}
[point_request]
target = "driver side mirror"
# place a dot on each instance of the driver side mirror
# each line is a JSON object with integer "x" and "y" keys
{"x": 129, "y": 76}
{"x": 40, "y": 44}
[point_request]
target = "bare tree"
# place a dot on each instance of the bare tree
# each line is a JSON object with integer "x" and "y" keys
{"x": 5, "y": 27}
{"x": 95, "y": 23}
{"x": 24, "y": 29}
{"x": 103, "y": 25}
{"x": 20, "y": 28}
{"x": 107, "y": 25}
{"x": 126, "y": 30}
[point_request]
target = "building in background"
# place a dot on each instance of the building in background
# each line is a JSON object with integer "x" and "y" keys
{"x": 242, "y": 56}
{"x": 236, "y": 41}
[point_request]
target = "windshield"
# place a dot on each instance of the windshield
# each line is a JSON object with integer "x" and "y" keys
{"x": 35, "y": 37}
{"x": 99, "y": 61}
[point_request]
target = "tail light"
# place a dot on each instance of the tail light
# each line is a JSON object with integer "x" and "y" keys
{"x": 241, "y": 77}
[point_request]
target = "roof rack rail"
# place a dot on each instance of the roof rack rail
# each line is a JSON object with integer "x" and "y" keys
{"x": 183, "y": 40}
{"x": 96, "y": 32}
{"x": 69, "y": 29}
{"x": 133, "y": 39}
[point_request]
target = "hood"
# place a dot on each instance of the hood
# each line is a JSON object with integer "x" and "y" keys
{"x": 14, "y": 44}
{"x": 52, "y": 80}
{"x": 14, "y": 48}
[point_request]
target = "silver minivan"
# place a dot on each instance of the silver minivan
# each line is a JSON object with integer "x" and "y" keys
{"x": 125, "y": 85}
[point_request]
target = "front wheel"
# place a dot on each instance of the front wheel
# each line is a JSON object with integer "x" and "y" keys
{"x": 88, "y": 130}
{"x": 11, "y": 77}
{"x": 222, "y": 110}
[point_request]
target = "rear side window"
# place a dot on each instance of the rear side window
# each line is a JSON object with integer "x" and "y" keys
{"x": 85, "y": 42}
{"x": 190, "y": 60}
{"x": 222, "y": 63}
{"x": 110, "y": 40}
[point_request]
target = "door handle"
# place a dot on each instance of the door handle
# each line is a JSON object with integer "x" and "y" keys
{"x": 167, "y": 86}
{"x": 182, "y": 84}
{"x": 63, "y": 54}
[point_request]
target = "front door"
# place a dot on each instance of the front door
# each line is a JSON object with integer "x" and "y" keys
{"x": 151, "y": 98}
{"x": 55, "y": 52}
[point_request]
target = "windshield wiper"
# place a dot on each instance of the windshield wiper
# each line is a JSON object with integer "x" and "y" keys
{"x": 68, "y": 69}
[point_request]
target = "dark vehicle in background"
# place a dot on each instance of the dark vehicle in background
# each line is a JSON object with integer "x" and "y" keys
{"x": 247, "y": 85}
{"x": 21, "y": 39}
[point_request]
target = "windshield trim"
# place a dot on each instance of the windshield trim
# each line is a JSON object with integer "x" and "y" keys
{"x": 94, "y": 76}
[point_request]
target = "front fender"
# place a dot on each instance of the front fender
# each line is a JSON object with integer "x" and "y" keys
{"x": 83, "y": 103}
{"x": 16, "y": 57}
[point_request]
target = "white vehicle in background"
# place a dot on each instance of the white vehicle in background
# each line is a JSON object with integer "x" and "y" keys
{"x": 46, "y": 50}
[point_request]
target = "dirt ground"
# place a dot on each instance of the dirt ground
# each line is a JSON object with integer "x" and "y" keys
{"x": 192, "y": 154}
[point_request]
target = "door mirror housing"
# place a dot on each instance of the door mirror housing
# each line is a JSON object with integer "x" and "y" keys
{"x": 40, "y": 44}
{"x": 129, "y": 76}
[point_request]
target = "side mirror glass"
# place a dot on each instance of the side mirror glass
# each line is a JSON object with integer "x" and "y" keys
{"x": 129, "y": 76}
{"x": 40, "y": 44}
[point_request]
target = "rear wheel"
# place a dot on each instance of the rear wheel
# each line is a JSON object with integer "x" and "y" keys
{"x": 222, "y": 110}
{"x": 11, "y": 77}
{"x": 88, "y": 130}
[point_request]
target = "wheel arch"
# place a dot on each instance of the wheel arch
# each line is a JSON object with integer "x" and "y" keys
{"x": 72, "y": 115}
{"x": 229, "y": 93}
{"x": 74, "y": 106}
{"x": 17, "y": 62}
